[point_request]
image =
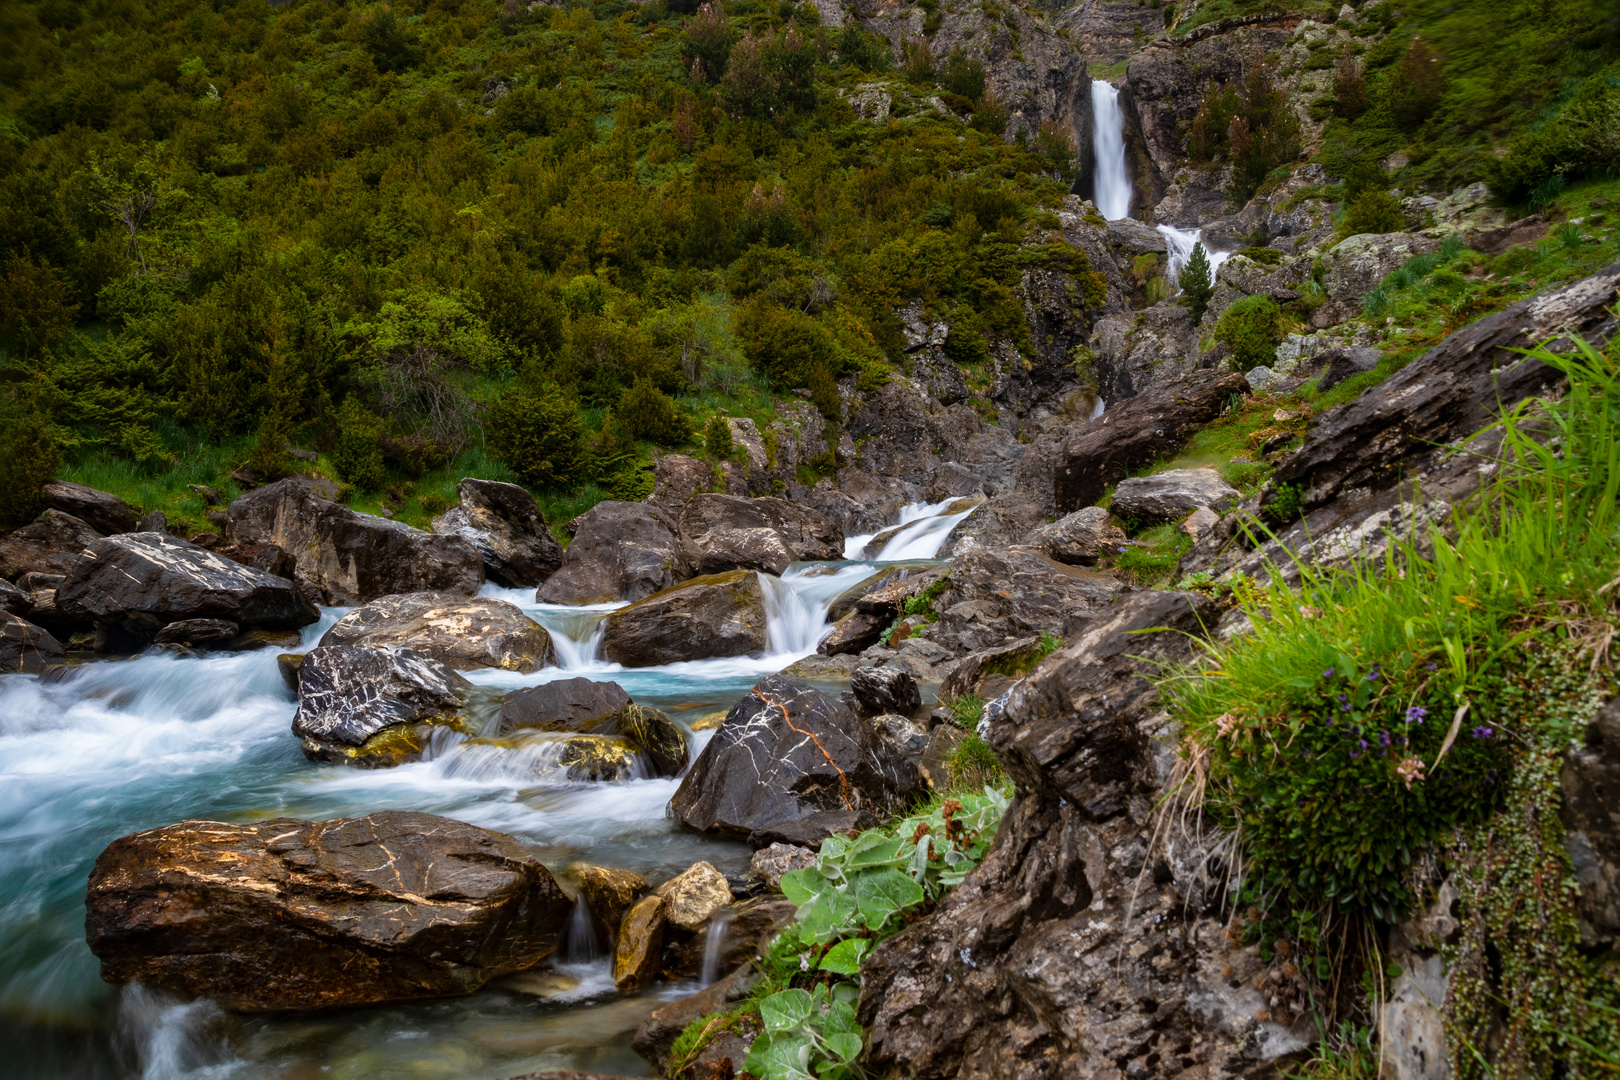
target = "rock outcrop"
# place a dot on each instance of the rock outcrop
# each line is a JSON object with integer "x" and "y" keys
{"x": 723, "y": 532}
{"x": 714, "y": 615}
{"x": 1590, "y": 811}
{"x": 1154, "y": 424}
{"x": 884, "y": 690}
{"x": 289, "y": 914}
{"x": 372, "y": 706}
{"x": 620, "y": 551}
{"x": 504, "y": 523}
{"x": 1078, "y": 539}
{"x": 134, "y": 584}
{"x": 461, "y": 632}
{"x": 49, "y": 544}
{"x": 103, "y": 512}
{"x": 1174, "y": 493}
{"x": 996, "y": 596}
{"x": 784, "y": 752}
{"x": 26, "y": 647}
{"x": 346, "y": 557}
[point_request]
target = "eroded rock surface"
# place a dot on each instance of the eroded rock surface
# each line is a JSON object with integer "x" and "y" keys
{"x": 100, "y": 510}
{"x": 576, "y": 704}
{"x": 1078, "y": 538}
{"x": 49, "y": 544}
{"x": 1172, "y": 494}
{"x": 289, "y": 914}
{"x": 723, "y": 532}
{"x": 504, "y": 523}
{"x": 367, "y": 705}
{"x": 785, "y": 752}
{"x": 461, "y": 632}
{"x": 714, "y": 615}
{"x": 620, "y": 551}
{"x": 26, "y": 647}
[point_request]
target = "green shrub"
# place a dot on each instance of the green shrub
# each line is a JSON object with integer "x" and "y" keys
{"x": 824, "y": 393}
{"x": 784, "y": 345}
{"x": 648, "y": 413}
{"x": 358, "y": 457}
{"x": 717, "y": 437}
{"x": 1417, "y": 85}
{"x": 963, "y": 76}
{"x": 535, "y": 431}
{"x": 29, "y": 456}
{"x": 1265, "y": 256}
{"x": 1373, "y": 211}
{"x": 1252, "y": 327}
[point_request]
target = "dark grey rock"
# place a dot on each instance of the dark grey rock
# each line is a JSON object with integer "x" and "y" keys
{"x": 724, "y": 532}
{"x": 1078, "y": 539}
{"x": 714, "y": 615}
{"x": 505, "y": 524}
{"x": 810, "y": 830}
{"x": 620, "y": 551}
{"x": 106, "y": 513}
{"x": 347, "y": 694}
{"x": 26, "y": 647}
{"x": 1339, "y": 364}
{"x": 578, "y": 704}
{"x": 787, "y": 751}
{"x": 884, "y": 690}
{"x": 198, "y": 633}
{"x": 14, "y": 600}
{"x": 49, "y": 544}
{"x": 1172, "y": 494}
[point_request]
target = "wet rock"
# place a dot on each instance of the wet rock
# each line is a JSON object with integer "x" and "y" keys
{"x": 289, "y": 914}
{"x": 910, "y": 737}
{"x": 504, "y": 523}
{"x": 770, "y": 863}
{"x": 845, "y": 602}
{"x": 199, "y": 633}
{"x": 351, "y": 696}
{"x": 14, "y": 600}
{"x": 287, "y": 666}
{"x": 693, "y": 896}
{"x": 724, "y": 532}
{"x": 620, "y": 551}
{"x": 1445, "y": 396}
{"x": 609, "y": 893}
{"x": 657, "y": 1034}
{"x": 1154, "y": 424}
{"x": 597, "y": 758}
{"x": 1171, "y": 494}
{"x": 997, "y": 596}
{"x": 346, "y": 557}
{"x": 49, "y": 544}
{"x": 1078, "y": 538}
{"x": 884, "y": 690}
{"x": 26, "y": 647}
{"x": 854, "y": 634}
{"x": 640, "y": 944}
{"x": 810, "y": 830}
{"x": 140, "y": 582}
{"x": 565, "y": 705}
{"x": 103, "y": 512}
{"x": 1590, "y": 811}
{"x": 656, "y": 736}
{"x": 461, "y": 632}
{"x": 714, "y": 615}
{"x": 784, "y": 752}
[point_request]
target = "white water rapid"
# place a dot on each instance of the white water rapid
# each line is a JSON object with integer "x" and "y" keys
{"x": 97, "y": 750}
{"x": 1111, "y": 183}
{"x": 1180, "y": 243}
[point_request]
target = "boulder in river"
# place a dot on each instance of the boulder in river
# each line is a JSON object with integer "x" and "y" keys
{"x": 199, "y": 633}
{"x": 504, "y": 523}
{"x": 564, "y": 705}
{"x": 620, "y": 551}
{"x": 787, "y": 751}
{"x": 288, "y": 914}
{"x": 640, "y": 945}
{"x": 608, "y": 892}
{"x": 656, "y": 736}
{"x": 101, "y": 511}
{"x": 714, "y": 615}
{"x": 141, "y": 582}
{"x": 50, "y": 544}
{"x": 370, "y": 705}
{"x": 346, "y": 557}
{"x": 727, "y": 532}
{"x": 1172, "y": 494}
{"x": 26, "y": 647}
{"x": 880, "y": 690}
{"x": 462, "y": 632}
{"x": 14, "y": 600}
{"x": 693, "y": 896}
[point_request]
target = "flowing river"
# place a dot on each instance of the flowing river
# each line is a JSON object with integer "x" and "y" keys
{"x": 100, "y": 750}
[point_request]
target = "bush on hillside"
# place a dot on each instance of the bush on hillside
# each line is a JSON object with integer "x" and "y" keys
{"x": 29, "y": 456}
{"x": 358, "y": 457}
{"x": 784, "y": 345}
{"x": 536, "y": 431}
{"x": 1195, "y": 284}
{"x": 1373, "y": 211}
{"x": 1252, "y": 327}
{"x": 648, "y": 413}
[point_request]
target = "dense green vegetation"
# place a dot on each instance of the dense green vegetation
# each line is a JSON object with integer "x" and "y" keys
{"x": 449, "y": 238}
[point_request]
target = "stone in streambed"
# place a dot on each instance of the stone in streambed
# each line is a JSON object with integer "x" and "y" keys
{"x": 50, "y": 544}
{"x": 712, "y": 616}
{"x": 1079, "y": 538}
{"x": 727, "y": 532}
{"x": 504, "y": 523}
{"x": 564, "y": 705}
{"x": 101, "y": 511}
{"x": 25, "y": 647}
{"x": 770, "y": 863}
{"x": 884, "y": 690}
{"x": 620, "y": 551}
{"x": 693, "y": 896}
{"x": 289, "y": 914}
{"x": 658, "y": 738}
{"x": 597, "y": 758}
{"x": 462, "y": 632}
{"x": 199, "y": 633}
{"x": 787, "y": 751}
{"x": 609, "y": 893}
{"x": 363, "y": 704}
{"x": 141, "y": 582}
{"x": 640, "y": 945}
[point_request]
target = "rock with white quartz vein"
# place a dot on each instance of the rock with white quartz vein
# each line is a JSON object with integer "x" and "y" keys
{"x": 371, "y": 705}
{"x": 787, "y": 751}
{"x": 464, "y": 632}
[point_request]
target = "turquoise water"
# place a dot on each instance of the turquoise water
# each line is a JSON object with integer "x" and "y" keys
{"x": 118, "y": 746}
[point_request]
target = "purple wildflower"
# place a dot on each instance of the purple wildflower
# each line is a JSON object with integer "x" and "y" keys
{"x": 1415, "y": 714}
{"x": 1383, "y": 738}
{"x": 1359, "y": 749}
{"x": 1483, "y": 733}
{"x": 1328, "y": 674}
{"x": 1430, "y": 666}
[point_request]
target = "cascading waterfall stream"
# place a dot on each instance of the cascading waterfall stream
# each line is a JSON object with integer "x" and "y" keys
{"x": 1180, "y": 244}
{"x": 1111, "y": 182}
{"x": 105, "y": 749}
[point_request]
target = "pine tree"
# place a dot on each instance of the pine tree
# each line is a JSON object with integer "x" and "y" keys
{"x": 1195, "y": 284}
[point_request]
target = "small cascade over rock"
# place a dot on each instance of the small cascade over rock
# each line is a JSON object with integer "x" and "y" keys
{"x": 1111, "y": 183}
{"x": 1180, "y": 243}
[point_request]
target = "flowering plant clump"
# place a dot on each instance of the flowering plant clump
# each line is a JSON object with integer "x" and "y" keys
{"x": 1343, "y": 774}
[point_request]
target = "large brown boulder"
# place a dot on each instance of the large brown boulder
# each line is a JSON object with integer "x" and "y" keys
{"x": 724, "y": 532}
{"x": 98, "y": 509}
{"x": 620, "y": 551}
{"x": 462, "y": 632}
{"x": 1138, "y": 431}
{"x": 787, "y": 751}
{"x": 373, "y": 706}
{"x": 504, "y": 523}
{"x": 26, "y": 647}
{"x": 289, "y": 914}
{"x": 714, "y": 615}
{"x": 138, "y": 583}
{"x": 50, "y": 544}
{"x": 346, "y": 557}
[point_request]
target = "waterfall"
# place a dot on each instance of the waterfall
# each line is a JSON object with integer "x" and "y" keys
{"x": 919, "y": 534}
{"x": 1180, "y": 244}
{"x": 1111, "y": 185}
{"x": 714, "y": 944}
{"x": 581, "y": 944}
